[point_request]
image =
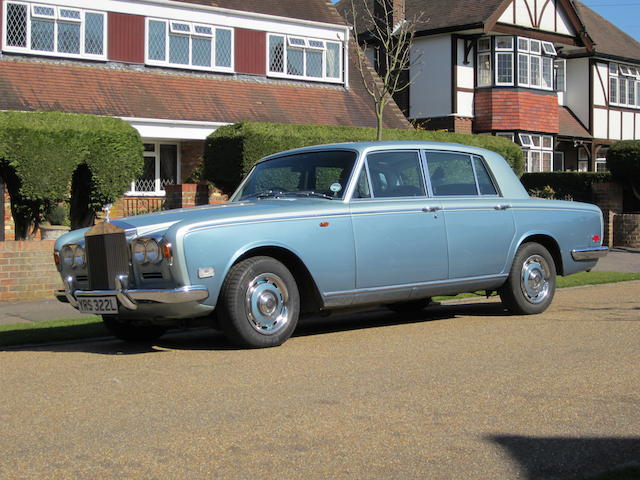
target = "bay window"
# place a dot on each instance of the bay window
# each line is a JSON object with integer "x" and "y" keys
{"x": 526, "y": 63}
{"x": 54, "y": 30}
{"x": 189, "y": 45}
{"x": 305, "y": 58}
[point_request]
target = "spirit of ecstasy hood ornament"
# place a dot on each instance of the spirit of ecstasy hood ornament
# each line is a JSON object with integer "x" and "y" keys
{"x": 107, "y": 210}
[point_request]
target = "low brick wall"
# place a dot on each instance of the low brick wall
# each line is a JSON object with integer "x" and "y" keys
{"x": 626, "y": 230}
{"x": 27, "y": 271}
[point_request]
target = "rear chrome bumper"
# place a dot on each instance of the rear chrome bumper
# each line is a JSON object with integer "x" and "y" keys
{"x": 129, "y": 299}
{"x": 587, "y": 254}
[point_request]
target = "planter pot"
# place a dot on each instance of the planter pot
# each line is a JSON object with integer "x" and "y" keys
{"x": 52, "y": 232}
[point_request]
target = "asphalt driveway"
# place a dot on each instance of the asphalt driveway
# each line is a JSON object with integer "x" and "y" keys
{"x": 462, "y": 391}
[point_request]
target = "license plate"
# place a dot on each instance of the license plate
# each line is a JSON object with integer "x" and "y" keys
{"x": 98, "y": 305}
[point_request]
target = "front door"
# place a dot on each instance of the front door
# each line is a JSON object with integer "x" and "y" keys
{"x": 399, "y": 233}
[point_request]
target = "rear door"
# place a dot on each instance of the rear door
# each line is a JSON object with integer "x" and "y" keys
{"x": 480, "y": 226}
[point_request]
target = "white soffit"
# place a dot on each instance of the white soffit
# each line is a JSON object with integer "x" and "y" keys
{"x": 173, "y": 129}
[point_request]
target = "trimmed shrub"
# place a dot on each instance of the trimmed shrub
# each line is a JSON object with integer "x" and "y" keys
{"x": 232, "y": 150}
{"x": 565, "y": 185}
{"x": 41, "y": 154}
{"x": 623, "y": 161}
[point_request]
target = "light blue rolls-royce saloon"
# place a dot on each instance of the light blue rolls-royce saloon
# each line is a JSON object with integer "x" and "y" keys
{"x": 326, "y": 228}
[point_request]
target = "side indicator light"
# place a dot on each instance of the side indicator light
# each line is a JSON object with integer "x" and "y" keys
{"x": 324, "y": 224}
{"x": 596, "y": 238}
{"x": 166, "y": 252}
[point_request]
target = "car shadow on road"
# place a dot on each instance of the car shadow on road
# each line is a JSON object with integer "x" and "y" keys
{"x": 569, "y": 458}
{"x": 208, "y": 339}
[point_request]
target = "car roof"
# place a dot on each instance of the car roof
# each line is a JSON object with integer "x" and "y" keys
{"x": 384, "y": 145}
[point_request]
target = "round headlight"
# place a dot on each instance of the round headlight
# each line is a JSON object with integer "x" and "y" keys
{"x": 152, "y": 251}
{"x": 138, "y": 251}
{"x": 67, "y": 256}
{"x": 78, "y": 257}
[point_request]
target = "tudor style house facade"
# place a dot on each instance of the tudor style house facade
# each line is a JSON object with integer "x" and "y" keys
{"x": 177, "y": 70}
{"x": 551, "y": 75}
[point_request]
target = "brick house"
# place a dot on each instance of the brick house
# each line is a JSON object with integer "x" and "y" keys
{"x": 552, "y": 75}
{"x": 177, "y": 70}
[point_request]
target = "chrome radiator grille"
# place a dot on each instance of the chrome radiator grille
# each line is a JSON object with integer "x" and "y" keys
{"x": 107, "y": 257}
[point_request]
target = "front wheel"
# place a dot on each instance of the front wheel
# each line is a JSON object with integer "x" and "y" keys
{"x": 130, "y": 332}
{"x": 532, "y": 281}
{"x": 259, "y": 303}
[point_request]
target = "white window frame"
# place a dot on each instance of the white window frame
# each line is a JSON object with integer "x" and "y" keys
{"x": 507, "y": 135}
{"x": 158, "y": 191}
{"x": 191, "y": 34}
{"x": 536, "y": 51}
{"x": 307, "y": 47}
{"x": 583, "y": 160}
{"x": 560, "y": 64}
{"x": 626, "y": 75}
{"x": 56, "y": 18}
{"x": 534, "y": 143}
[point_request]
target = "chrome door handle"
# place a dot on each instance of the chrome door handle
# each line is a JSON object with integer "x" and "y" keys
{"x": 502, "y": 207}
{"x": 431, "y": 209}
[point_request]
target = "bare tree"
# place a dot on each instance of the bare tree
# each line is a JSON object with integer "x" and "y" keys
{"x": 391, "y": 39}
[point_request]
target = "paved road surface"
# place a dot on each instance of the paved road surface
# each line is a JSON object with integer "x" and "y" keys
{"x": 464, "y": 391}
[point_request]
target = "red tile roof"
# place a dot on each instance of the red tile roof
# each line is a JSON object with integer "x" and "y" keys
{"x": 28, "y": 85}
{"x": 570, "y": 126}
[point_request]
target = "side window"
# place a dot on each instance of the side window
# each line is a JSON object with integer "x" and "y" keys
{"x": 362, "y": 187}
{"x": 395, "y": 174}
{"x": 451, "y": 174}
{"x": 484, "y": 180}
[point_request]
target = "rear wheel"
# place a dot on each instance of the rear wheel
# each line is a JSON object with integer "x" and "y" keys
{"x": 259, "y": 303}
{"x": 532, "y": 280}
{"x": 132, "y": 333}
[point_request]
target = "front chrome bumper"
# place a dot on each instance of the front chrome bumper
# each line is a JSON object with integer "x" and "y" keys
{"x": 129, "y": 299}
{"x": 587, "y": 254}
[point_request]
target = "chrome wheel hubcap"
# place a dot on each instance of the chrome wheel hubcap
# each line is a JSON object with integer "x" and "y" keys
{"x": 267, "y": 303}
{"x": 534, "y": 280}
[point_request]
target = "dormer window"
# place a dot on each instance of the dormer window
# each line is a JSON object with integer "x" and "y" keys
{"x": 54, "y": 31}
{"x": 304, "y": 58}
{"x": 189, "y": 45}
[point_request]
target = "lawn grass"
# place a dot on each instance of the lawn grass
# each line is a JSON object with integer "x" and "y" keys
{"x": 576, "y": 280}
{"x": 51, "y": 331}
{"x": 91, "y": 327}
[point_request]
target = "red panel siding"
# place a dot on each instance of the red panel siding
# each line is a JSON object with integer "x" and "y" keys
{"x": 126, "y": 38}
{"x": 1, "y": 18}
{"x": 502, "y": 109}
{"x": 250, "y": 51}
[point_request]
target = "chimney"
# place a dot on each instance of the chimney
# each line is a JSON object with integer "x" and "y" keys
{"x": 389, "y": 11}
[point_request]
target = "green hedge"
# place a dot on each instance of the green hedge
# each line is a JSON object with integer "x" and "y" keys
{"x": 43, "y": 153}
{"x": 623, "y": 161}
{"x": 574, "y": 185}
{"x": 232, "y": 150}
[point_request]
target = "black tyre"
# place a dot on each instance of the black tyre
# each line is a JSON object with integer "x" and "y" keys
{"x": 532, "y": 280}
{"x": 413, "y": 306}
{"x": 132, "y": 333}
{"x": 259, "y": 303}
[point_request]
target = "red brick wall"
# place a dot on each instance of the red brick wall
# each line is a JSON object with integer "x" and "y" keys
{"x": 501, "y": 109}
{"x": 27, "y": 271}
{"x": 191, "y": 152}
